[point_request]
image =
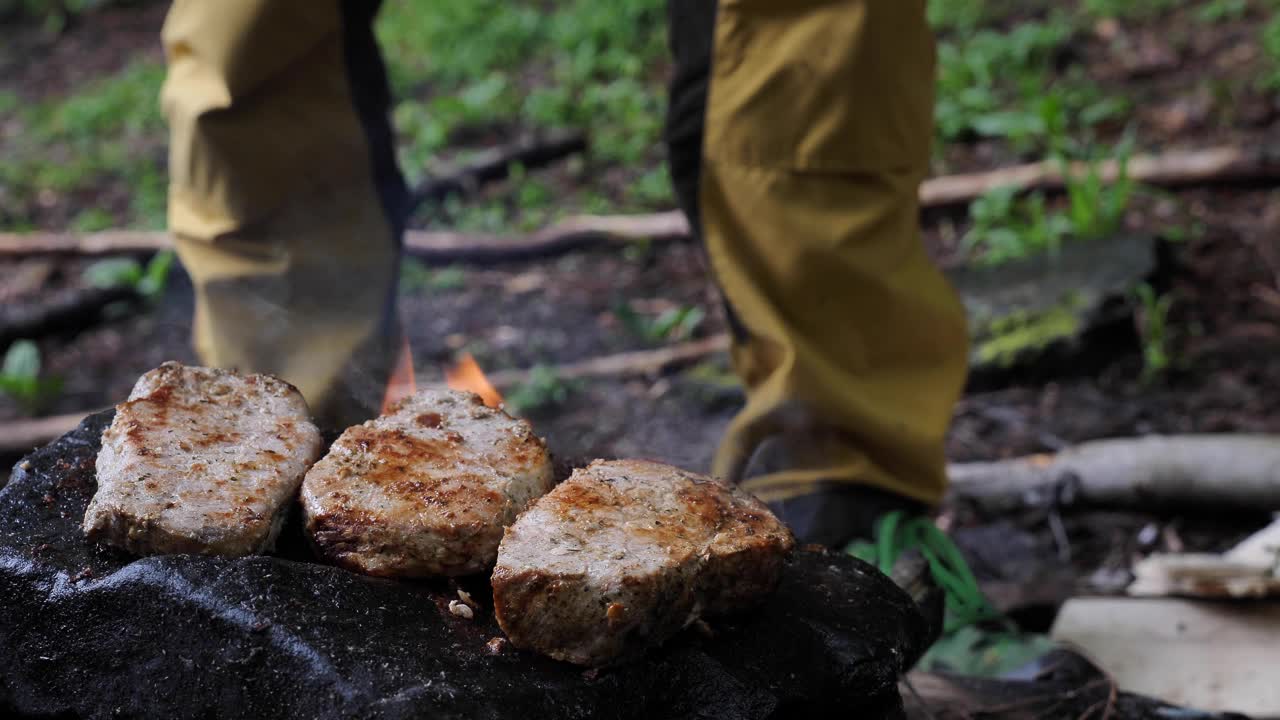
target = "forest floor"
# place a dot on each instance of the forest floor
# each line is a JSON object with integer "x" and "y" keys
{"x": 83, "y": 146}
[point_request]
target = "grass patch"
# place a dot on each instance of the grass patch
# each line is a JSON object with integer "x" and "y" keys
{"x": 148, "y": 281}
{"x": 456, "y": 64}
{"x": 1156, "y": 332}
{"x": 110, "y": 132}
{"x": 1008, "y": 226}
{"x": 416, "y": 277}
{"x": 21, "y": 378}
{"x": 1271, "y": 46}
{"x": 1221, "y": 10}
{"x": 1005, "y": 85}
{"x": 1129, "y": 9}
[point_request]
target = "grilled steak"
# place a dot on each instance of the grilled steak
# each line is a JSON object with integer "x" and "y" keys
{"x": 624, "y": 554}
{"x": 425, "y": 490}
{"x": 201, "y": 461}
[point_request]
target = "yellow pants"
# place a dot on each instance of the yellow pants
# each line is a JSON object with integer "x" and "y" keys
{"x": 284, "y": 199}
{"x": 800, "y": 132}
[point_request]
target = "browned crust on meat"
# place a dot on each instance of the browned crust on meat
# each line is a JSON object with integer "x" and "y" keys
{"x": 626, "y": 553}
{"x": 200, "y": 460}
{"x": 425, "y": 490}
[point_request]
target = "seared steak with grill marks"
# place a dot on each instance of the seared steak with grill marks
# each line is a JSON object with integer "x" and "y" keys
{"x": 425, "y": 490}
{"x": 624, "y": 554}
{"x": 201, "y": 461}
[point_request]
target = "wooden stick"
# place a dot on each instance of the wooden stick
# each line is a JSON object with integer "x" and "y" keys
{"x": 106, "y": 242}
{"x": 1170, "y": 170}
{"x": 641, "y": 362}
{"x": 23, "y": 436}
{"x": 1221, "y": 471}
{"x": 568, "y": 234}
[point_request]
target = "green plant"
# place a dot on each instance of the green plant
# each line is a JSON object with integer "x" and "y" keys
{"x": 988, "y": 81}
{"x": 1219, "y": 10}
{"x": 92, "y": 220}
{"x": 672, "y": 324}
{"x": 1006, "y": 85}
{"x": 1155, "y": 331}
{"x": 577, "y": 63}
{"x": 1128, "y": 9}
{"x": 652, "y": 189}
{"x": 416, "y": 277}
{"x": 109, "y": 131}
{"x": 1097, "y": 208}
{"x": 53, "y": 14}
{"x": 957, "y": 15}
{"x": 542, "y": 389}
{"x": 976, "y": 639}
{"x": 1271, "y": 46}
{"x": 20, "y": 377}
{"x": 1006, "y": 227}
{"x": 149, "y": 281}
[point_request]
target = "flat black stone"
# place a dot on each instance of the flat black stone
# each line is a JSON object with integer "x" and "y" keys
{"x": 86, "y": 631}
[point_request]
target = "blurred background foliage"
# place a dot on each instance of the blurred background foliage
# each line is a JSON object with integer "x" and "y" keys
{"x": 468, "y": 74}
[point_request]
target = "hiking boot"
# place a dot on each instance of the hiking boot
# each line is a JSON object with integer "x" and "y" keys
{"x": 840, "y": 513}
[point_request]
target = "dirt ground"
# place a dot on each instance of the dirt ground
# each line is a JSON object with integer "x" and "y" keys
{"x": 1225, "y": 281}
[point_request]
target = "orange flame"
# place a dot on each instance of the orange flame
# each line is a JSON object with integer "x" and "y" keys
{"x": 467, "y": 375}
{"x": 401, "y": 384}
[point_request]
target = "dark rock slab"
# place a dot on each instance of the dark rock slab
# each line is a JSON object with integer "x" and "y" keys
{"x": 87, "y": 632}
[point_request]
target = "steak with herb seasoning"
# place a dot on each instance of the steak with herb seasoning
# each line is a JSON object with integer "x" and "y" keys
{"x": 426, "y": 489}
{"x": 199, "y": 460}
{"x": 625, "y": 553}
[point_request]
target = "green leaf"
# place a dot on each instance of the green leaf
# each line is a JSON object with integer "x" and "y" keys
{"x": 975, "y": 652}
{"x": 114, "y": 272}
{"x": 676, "y": 322}
{"x": 152, "y": 283}
{"x": 630, "y": 319}
{"x": 22, "y": 361}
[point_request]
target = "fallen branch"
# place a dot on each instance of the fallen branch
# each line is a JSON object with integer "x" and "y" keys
{"x": 641, "y": 362}
{"x": 22, "y": 436}
{"x": 66, "y": 311}
{"x": 1169, "y": 170}
{"x": 496, "y": 164}
{"x": 568, "y": 234}
{"x": 106, "y": 242}
{"x": 1222, "y": 471}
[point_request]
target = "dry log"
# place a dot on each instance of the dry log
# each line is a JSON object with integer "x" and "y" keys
{"x": 1173, "y": 169}
{"x": 568, "y": 234}
{"x": 106, "y": 242}
{"x": 641, "y": 362}
{"x": 1219, "y": 471}
{"x": 496, "y": 164}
